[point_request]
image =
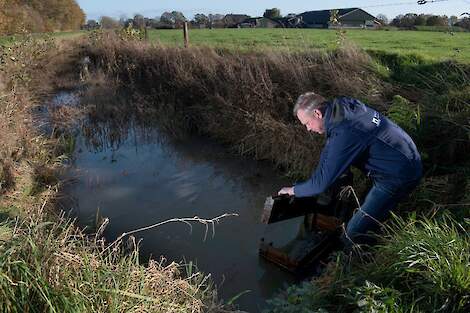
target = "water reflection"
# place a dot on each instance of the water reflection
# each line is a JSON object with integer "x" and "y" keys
{"x": 136, "y": 175}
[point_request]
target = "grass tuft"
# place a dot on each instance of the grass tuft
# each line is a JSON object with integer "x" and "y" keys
{"x": 54, "y": 267}
{"x": 420, "y": 266}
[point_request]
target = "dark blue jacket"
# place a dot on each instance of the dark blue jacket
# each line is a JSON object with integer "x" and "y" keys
{"x": 360, "y": 136}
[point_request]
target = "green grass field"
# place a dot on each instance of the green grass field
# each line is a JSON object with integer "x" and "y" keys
{"x": 438, "y": 45}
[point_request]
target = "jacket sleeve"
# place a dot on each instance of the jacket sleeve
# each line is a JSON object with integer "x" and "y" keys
{"x": 339, "y": 153}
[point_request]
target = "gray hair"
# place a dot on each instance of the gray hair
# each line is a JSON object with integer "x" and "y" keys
{"x": 309, "y": 102}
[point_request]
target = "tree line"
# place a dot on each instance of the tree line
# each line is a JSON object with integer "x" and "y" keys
{"x": 175, "y": 19}
{"x": 20, "y": 16}
{"x": 412, "y": 20}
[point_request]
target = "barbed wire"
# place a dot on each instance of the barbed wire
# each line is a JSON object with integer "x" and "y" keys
{"x": 419, "y": 2}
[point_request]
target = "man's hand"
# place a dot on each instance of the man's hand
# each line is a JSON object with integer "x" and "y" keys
{"x": 286, "y": 191}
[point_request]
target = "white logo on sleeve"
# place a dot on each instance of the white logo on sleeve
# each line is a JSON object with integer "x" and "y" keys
{"x": 376, "y": 119}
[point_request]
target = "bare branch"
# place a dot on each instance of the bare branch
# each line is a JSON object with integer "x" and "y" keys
{"x": 186, "y": 220}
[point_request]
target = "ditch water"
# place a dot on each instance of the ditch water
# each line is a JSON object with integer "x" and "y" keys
{"x": 137, "y": 176}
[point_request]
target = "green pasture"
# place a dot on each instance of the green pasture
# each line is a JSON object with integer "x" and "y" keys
{"x": 431, "y": 44}
{"x": 438, "y": 45}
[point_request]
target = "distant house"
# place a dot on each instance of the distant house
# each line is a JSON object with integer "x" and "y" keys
{"x": 260, "y": 22}
{"x": 233, "y": 20}
{"x": 349, "y": 18}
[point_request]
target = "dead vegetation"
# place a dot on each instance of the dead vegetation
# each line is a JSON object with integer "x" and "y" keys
{"x": 244, "y": 99}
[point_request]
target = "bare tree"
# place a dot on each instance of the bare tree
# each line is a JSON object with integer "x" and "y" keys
{"x": 453, "y": 20}
{"x": 179, "y": 18}
{"x": 91, "y": 24}
{"x": 123, "y": 20}
{"x": 216, "y": 20}
{"x": 382, "y": 18}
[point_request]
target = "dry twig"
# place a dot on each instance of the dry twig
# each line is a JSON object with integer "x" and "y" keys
{"x": 207, "y": 222}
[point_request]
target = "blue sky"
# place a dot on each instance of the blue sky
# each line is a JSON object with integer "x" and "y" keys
{"x": 151, "y": 8}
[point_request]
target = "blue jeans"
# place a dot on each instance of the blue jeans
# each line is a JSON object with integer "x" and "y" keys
{"x": 375, "y": 210}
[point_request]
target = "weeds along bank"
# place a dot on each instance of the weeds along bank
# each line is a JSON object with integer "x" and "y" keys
{"x": 246, "y": 99}
{"x": 47, "y": 264}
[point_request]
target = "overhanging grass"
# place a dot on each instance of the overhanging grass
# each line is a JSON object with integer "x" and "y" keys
{"x": 233, "y": 95}
{"x": 243, "y": 99}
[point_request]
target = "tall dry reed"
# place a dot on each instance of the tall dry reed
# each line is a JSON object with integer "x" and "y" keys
{"x": 244, "y": 99}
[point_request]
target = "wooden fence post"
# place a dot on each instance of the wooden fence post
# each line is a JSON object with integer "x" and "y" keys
{"x": 186, "y": 34}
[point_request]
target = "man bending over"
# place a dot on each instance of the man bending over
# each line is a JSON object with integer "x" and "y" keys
{"x": 360, "y": 136}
